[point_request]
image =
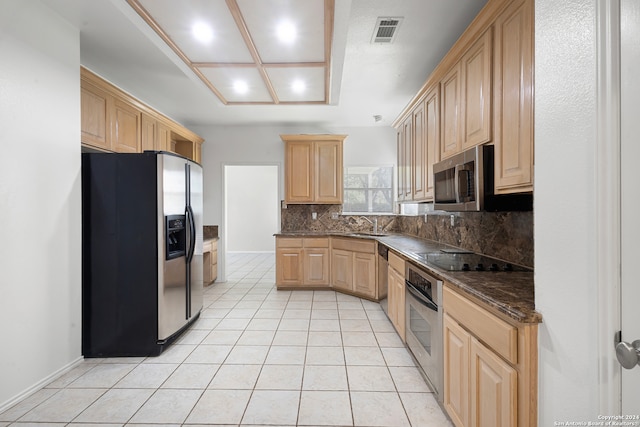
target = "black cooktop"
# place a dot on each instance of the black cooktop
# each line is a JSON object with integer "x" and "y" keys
{"x": 456, "y": 260}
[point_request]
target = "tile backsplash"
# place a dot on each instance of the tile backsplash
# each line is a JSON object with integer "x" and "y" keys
{"x": 504, "y": 235}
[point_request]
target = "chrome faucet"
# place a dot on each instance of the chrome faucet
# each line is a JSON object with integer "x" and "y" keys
{"x": 373, "y": 222}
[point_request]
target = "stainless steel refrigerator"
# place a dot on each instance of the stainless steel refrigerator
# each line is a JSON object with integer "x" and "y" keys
{"x": 142, "y": 272}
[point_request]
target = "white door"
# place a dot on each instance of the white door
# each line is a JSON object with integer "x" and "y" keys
{"x": 630, "y": 194}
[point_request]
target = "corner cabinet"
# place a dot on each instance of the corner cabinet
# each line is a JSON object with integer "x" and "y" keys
{"x": 113, "y": 120}
{"x": 490, "y": 366}
{"x": 313, "y": 168}
{"x": 353, "y": 266}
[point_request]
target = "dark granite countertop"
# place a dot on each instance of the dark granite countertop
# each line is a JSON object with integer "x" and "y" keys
{"x": 510, "y": 293}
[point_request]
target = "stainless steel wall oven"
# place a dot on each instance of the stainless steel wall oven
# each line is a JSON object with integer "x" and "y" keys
{"x": 424, "y": 324}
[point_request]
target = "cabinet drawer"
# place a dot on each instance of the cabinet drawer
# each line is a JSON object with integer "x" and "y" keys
{"x": 288, "y": 243}
{"x": 320, "y": 242}
{"x": 396, "y": 263}
{"x": 500, "y": 336}
{"x": 355, "y": 245}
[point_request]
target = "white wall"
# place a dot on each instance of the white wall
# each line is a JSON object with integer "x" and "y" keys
{"x": 253, "y": 207}
{"x": 40, "y": 249}
{"x": 262, "y": 144}
{"x": 565, "y": 264}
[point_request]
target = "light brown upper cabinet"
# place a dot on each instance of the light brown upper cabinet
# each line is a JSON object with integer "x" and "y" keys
{"x": 112, "y": 120}
{"x": 313, "y": 168}
{"x": 95, "y": 105}
{"x": 514, "y": 98}
{"x": 475, "y": 115}
{"x": 432, "y": 138}
{"x": 450, "y": 120}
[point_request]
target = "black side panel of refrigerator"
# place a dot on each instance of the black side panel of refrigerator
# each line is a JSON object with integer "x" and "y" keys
{"x": 120, "y": 265}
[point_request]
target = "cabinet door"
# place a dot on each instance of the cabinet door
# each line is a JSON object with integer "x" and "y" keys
{"x": 148, "y": 132}
{"x": 299, "y": 171}
{"x": 493, "y": 389}
{"x": 457, "y": 343}
{"x": 328, "y": 172}
{"x": 476, "y": 93}
{"x": 450, "y": 120}
{"x": 513, "y": 67}
{"x": 419, "y": 148}
{"x": 396, "y": 301}
{"x": 316, "y": 266}
{"x": 163, "y": 138}
{"x": 407, "y": 158}
{"x": 125, "y": 127}
{"x": 342, "y": 269}
{"x": 400, "y": 170}
{"x": 432, "y": 137}
{"x": 95, "y": 107}
{"x": 289, "y": 266}
{"x": 364, "y": 274}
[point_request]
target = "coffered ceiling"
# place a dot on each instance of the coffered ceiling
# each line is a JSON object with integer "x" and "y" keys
{"x": 344, "y": 78}
{"x": 250, "y": 51}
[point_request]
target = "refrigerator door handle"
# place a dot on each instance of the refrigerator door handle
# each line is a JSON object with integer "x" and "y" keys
{"x": 192, "y": 234}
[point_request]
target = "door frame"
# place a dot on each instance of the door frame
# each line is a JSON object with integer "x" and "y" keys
{"x": 608, "y": 203}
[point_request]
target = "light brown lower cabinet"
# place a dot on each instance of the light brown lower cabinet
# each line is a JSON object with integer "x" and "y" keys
{"x": 302, "y": 262}
{"x": 354, "y": 266}
{"x": 396, "y": 294}
{"x": 210, "y": 261}
{"x": 490, "y": 366}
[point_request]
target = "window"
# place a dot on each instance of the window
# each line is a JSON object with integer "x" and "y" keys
{"x": 368, "y": 189}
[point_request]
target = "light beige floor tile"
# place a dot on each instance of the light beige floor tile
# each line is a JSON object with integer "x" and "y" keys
{"x": 376, "y": 315}
{"x": 408, "y": 379}
{"x": 222, "y": 337}
{"x": 147, "y": 375}
{"x": 355, "y": 325}
{"x": 167, "y": 406}
{"x": 297, "y": 338}
{"x": 350, "y": 305}
{"x": 395, "y": 356}
{"x": 294, "y": 325}
{"x": 71, "y": 376}
{"x": 205, "y": 324}
{"x": 241, "y": 313}
{"x": 324, "y": 325}
{"x": 324, "y": 378}
{"x": 220, "y": 406}
{"x": 325, "y": 356}
{"x": 233, "y": 324}
{"x": 191, "y": 375}
{"x": 103, "y": 376}
{"x": 301, "y": 296}
{"x": 325, "y": 408}
{"x": 291, "y": 313}
{"x": 247, "y": 355}
{"x": 388, "y": 339}
{"x": 38, "y": 424}
{"x": 74, "y": 424}
{"x": 381, "y": 326}
{"x": 256, "y": 338}
{"x": 359, "y": 339}
{"x": 27, "y": 404}
{"x": 423, "y": 410}
{"x": 350, "y": 298}
{"x": 331, "y": 314}
{"x": 325, "y": 338}
{"x": 325, "y": 305}
{"x": 263, "y": 325}
{"x": 211, "y": 354}
{"x": 269, "y": 313}
{"x": 371, "y": 305}
{"x": 299, "y": 305}
{"x": 176, "y": 353}
{"x": 192, "y": 336}
{"x": 369, "y": 378}
{"x": 378, "y": 409}
{"x": 115, "y": 406}
{"x": 119, "y": 360}
{"x": 324, "y": 296}
{"x": 217, "y": 310}
{"x": 63, "y": 406}
{"x": 250, "y": 301}
{"x": 235, "y": 377}
{"x": 280, "y": 377}
{"x": 363, "y": 356}
{"x": 353, "y": 314}
{"x": 273, "y": 304}
{"x": 272, "y": 407}
{"x": 286, "y": 355}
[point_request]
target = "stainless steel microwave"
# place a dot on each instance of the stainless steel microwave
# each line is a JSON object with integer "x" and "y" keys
{"x": 463, "y": 181}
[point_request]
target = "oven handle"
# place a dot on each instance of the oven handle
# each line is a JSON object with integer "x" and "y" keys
{"x": 421, "y": 298}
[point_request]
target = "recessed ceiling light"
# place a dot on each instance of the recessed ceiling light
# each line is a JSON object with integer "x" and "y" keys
{"x": 240, "y": 86}
{"x": 298, "y": 86}
{"x": 286, "y": 32}
{"x": 202, "y": 32}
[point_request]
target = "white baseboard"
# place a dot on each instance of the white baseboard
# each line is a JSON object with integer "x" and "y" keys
{"x": 40, "y": 384}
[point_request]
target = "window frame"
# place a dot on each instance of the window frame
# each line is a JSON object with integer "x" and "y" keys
{"x": 391, "y": 188}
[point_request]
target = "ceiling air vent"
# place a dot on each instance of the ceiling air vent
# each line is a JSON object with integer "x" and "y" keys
{"x": 385, "y": 30}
